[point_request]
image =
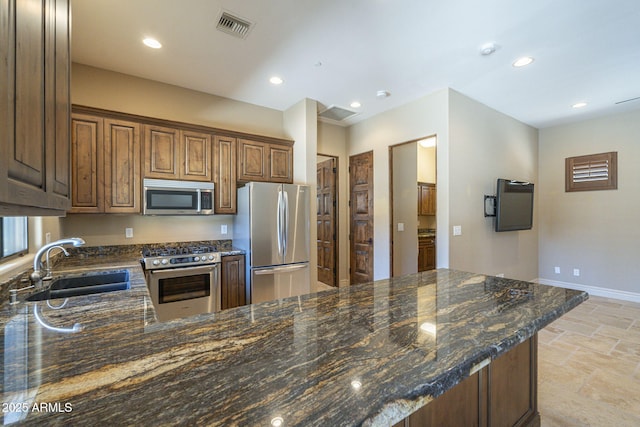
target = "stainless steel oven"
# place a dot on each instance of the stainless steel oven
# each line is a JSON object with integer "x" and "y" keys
{"x": 183, "y": 283}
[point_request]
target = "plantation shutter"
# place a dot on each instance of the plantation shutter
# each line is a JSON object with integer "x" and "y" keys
{"x": 592, "y": 172}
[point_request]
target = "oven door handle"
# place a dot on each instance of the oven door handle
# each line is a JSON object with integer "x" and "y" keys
{"x": 196, "y": 269}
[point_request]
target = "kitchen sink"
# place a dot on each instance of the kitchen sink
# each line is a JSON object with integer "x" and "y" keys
{"x": 85, "y": 284}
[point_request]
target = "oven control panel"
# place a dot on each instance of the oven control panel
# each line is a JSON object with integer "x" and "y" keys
{"x": 174, "y": 261}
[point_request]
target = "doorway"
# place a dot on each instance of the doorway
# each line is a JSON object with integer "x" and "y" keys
{"x": 327, "y": 223}
{"x": 361, "y": 217}
{"x": 412, "y": 196}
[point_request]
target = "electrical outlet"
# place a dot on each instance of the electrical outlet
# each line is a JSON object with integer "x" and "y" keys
{"x": 47, "y": 237}
{"x": 576, "y": 271}
{"x": 128, "y": 233}
{"x": 457, "y": 230}
{"x": 556, "y": 270}
{"x": 223, "y": 229}
{"x": 401, "y": 226}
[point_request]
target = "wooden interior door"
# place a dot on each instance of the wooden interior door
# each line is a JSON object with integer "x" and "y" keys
{"x": 326, "y": 221}
{"x": 361, "y": 214}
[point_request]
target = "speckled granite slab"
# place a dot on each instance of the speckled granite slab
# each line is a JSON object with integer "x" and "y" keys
{"x": 362, "y": 355}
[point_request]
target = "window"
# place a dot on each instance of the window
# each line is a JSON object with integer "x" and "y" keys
{"x": 592, "y": 172}
{"x": 14, "y": 238}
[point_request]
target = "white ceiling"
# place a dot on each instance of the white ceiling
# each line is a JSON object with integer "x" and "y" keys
{"x": 584, "y": 50}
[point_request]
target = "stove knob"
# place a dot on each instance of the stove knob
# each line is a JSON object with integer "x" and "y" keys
{"x": 164, "y": 262}
{"x": 196, "y": 259}
{"x": 156, "y": 262}
{"x": 210, "y": 257}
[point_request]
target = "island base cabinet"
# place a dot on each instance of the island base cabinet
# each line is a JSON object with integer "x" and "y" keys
{"x": 502, "y": 394}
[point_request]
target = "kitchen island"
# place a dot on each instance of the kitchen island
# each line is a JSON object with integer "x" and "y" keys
{"x": 368, "y": 354}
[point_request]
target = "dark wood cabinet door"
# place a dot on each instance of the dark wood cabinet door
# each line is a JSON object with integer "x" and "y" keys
{"x": 58, "y": 103}
{"x": 280, "y": 164}
{"x": 513, "y": 386}
{"x": 121, "y": 166}
{"x": 426, "y": 254}
{"x": 460, "y": 406}
{"x": 34, "y": 116}
{"x": 161, "y": 152}
{"x": 224, "y": 175}
{"x": 195, "y": 158}
{"x": 426, "y": 199}
{"x": 87, "y": 153}
{"x": 232, "y": 282}
{"x": 252, "y": 161}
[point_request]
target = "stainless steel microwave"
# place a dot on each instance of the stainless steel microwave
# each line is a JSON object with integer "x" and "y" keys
{"x": 167, "y": 197}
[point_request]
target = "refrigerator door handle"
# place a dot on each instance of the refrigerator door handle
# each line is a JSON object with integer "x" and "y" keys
{"x": 279, "y": 223}
{"x": 276, "y": 270}
{"x": 285, "y": 223}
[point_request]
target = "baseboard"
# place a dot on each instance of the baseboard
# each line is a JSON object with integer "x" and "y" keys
{"x": 594, "y": 290}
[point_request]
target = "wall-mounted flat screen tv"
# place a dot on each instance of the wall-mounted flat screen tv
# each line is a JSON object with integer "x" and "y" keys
{"x": 514, "y": 205}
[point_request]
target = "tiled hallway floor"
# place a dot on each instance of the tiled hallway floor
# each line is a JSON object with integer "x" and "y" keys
{"x": 589, "y": 366}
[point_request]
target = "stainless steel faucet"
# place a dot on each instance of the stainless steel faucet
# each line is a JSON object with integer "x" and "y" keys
{"x": 41, "y": 272}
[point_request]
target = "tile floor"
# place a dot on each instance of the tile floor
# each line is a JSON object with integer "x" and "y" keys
{"x": 589, "y": 366}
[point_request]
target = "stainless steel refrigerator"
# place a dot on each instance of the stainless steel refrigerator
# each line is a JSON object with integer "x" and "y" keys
{"x": 272, "y": 226}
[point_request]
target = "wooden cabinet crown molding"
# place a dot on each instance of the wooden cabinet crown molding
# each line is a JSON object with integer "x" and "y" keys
{"x": 154, "y": 121}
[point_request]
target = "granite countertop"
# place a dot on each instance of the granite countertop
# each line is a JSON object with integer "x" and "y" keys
{"x": 426, "y": 232}
{"x": 361, "y": 355}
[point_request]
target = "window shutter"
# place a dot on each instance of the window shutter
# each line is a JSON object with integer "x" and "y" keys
{"x": 592, "y": 172}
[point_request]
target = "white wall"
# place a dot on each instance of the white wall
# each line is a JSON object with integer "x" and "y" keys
{"x": 423, "y": 117}
{"x": 332, "y": 140}
{"x": 426, "y": 164}
{"x": 108, "y": 229}
{"x": 109, "y": 90}
{"x": 594, "y": 231}
{"x": 484, "y": 145}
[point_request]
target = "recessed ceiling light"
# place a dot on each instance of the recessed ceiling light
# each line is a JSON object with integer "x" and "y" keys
{"x": 487, "y": 49}
{"x": 355, "y": 104}
{"x": 579, "y": 105}
{"x": 152, "y": 43}
{"x": 523, "y": 62}
{"x": 275, "y": 80}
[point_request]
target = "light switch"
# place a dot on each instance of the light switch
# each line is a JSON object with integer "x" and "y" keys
{"x": 457, "y": 230}
{"x": 401, "y": 226}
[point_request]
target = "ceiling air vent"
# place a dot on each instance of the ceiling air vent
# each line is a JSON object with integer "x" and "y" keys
{"x": 233, "y": 25}
{"x": 336, "y": 113}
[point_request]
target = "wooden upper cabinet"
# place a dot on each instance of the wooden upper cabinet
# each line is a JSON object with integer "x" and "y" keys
{"x": 262, "y": 161}
{"x": 105, "y": 163}
{"x": 224, "y": 174}
{"x": 161, "y": 152}
{"x": 196, "y": 159}
{"x": 171, "y": 153}
{"x": 252, "y": 161}
{"x": 426, "y": 199}
{"x": 121, "y": 166}
{"x": 87, "y": 176}
{"x": 280, "y": 164}
{"x": 34, "y": 106}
